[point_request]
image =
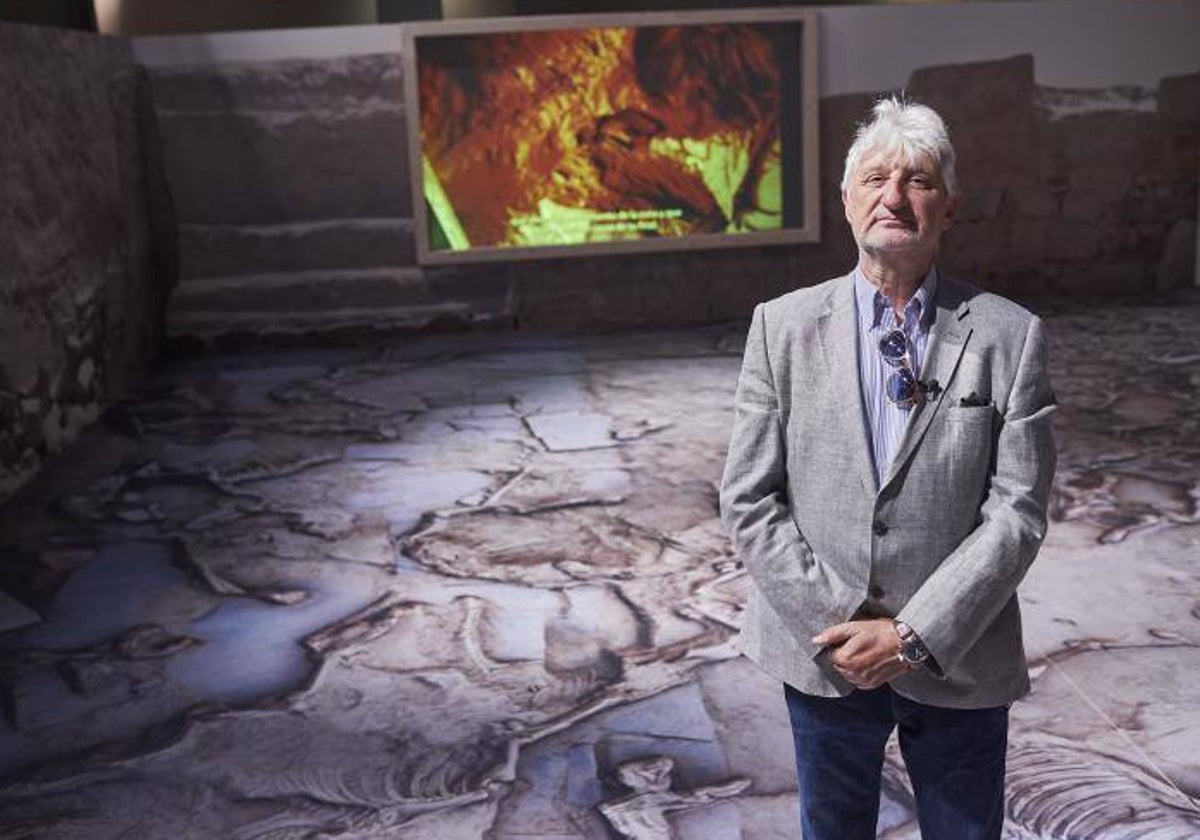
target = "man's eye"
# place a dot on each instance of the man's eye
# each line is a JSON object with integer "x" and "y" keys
{"x": 874, "y": 179}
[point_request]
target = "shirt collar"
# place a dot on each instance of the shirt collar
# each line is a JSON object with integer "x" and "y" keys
{"x": 871, "y": 304}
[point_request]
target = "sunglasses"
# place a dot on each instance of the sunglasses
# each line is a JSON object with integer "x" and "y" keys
{"x": 901, "y": 387}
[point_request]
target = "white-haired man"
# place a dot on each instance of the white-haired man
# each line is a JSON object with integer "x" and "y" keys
{"x": 886, "y": 489}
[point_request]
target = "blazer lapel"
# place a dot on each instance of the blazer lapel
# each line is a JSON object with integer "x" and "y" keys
{"x": 837, "y": 329}
{"x": 947, "y": 340}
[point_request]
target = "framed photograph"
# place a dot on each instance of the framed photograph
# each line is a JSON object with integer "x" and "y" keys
{"x": 558, "y": 136}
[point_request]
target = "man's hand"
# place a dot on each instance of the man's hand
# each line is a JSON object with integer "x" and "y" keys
{"x": 864, "y": 651}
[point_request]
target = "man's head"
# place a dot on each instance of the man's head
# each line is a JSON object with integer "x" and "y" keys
{"x": 899, "y": 186}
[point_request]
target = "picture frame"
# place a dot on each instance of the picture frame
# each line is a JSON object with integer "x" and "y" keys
{"x": 585, "y": 135}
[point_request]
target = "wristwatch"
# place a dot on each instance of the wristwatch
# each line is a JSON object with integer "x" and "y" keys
{"x": 912, "y": 650}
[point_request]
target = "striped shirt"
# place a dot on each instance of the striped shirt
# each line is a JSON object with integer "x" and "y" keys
{"x": 876, "y": 318}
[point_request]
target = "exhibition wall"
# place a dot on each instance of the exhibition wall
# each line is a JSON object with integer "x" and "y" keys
{"x": 1076, "y": 124}
{"x": 86, "y": 242}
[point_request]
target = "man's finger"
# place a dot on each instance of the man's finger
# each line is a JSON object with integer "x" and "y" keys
{"x": 834, "y": 635}
{"x": 853, "y": 677}
{"x": 860, "y": 668}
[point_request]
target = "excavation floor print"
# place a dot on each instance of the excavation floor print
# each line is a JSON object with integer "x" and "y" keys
{"x": 475, "y": 587}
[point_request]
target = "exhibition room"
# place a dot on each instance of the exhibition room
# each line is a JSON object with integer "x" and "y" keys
{"x": 384, "y": 393}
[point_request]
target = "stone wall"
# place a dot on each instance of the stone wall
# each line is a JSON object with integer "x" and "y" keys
{"x": 1066, "y": 193}
{"x": 85, "y": 237}
{"x": 291, "y": 181}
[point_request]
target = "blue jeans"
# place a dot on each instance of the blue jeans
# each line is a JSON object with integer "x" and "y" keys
{"x": 955, "y": 760}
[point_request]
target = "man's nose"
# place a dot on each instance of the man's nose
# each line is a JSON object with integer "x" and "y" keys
{"x": 893, "y": 195}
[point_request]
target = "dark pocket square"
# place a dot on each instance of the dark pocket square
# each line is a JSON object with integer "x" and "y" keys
{"x": 973, "y": 400}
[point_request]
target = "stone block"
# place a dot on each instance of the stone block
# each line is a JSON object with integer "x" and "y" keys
{"x": 733, "y": 294}
{"x": 578, "y": 301}
{"x": 974, "y": 99}
{"x": 1020, "y": 283}
{"x": 1155, "y": 203}
{"x": 1177, "y": 266}
{"x": 1179, "y": 99}
{"x": 1094, "y": 203}
{"x": 484, "y": 288}
{"x": 971, "y": 247}
{"x": 1036, "y": 201}
{"x": 674, "y": 288}
{"x": 256, "y": 167}
{"x": 1109, "y": 146}
{"x": 979, "y": 204}
{"x": 676, "y": 299}
{"x": 1071, "y": 240}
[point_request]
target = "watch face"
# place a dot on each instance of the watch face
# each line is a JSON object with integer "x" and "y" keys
{"x": 914, "y": 652}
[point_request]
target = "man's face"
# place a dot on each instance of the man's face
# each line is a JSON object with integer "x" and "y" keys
{"x": 897, "y": 208}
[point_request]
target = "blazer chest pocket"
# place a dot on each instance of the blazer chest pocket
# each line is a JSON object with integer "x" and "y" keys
{"x": 970, "y": 416}
{"x": 969, "y": 432}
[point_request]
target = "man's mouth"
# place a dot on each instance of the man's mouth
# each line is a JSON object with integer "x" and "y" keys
{"x": 893, "y": 222}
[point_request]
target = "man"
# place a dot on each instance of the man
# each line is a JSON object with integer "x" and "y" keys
{"x": 886, "y": 490}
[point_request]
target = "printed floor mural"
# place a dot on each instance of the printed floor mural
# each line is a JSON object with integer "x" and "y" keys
{"x": 475, "y": 586}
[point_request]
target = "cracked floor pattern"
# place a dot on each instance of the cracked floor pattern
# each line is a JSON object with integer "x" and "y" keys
{"x": 474, "y": 586}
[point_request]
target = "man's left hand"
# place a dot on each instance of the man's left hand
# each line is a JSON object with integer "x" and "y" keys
{"x": 865, "y": 652}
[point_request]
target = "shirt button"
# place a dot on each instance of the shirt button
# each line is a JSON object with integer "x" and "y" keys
{"x": 875, "y": 591}
{"x": 880, "y": 528}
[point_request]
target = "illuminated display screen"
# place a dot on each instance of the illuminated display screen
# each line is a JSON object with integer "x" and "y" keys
{"x": 559, "y": 137}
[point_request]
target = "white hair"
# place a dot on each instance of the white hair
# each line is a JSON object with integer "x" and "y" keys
{"x": 906, "y": 130}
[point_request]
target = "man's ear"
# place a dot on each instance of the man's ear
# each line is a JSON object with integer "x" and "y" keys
{"x": 951, "y": 209}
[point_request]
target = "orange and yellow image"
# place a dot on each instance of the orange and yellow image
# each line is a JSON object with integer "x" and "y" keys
{"x": 575, "y": 136}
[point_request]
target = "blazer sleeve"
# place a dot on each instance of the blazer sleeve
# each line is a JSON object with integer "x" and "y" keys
{"x": 805, "y": 593}
{"x": 958, "y": 602}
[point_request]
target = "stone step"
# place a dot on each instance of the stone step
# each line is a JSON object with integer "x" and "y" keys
{"x": 303, "y": 291}
{"x": 272, "y": 167}
{"x": 217, "y": 330}
{"x": 283, "y": 85}
{"x": 331, "y": 306}
{"x": 233, "y": 250}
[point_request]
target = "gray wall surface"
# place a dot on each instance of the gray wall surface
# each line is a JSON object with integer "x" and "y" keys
{"x": 286, "y": 153}
{"x": 1074, "y": 43}
{"x": 85, "y": 237}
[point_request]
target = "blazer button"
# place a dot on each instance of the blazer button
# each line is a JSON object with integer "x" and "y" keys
{"x": 880, "y": 528}
{"x": 875, "y": 591}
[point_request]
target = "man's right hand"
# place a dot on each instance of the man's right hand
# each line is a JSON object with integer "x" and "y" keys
{"x": 865, "y": 652}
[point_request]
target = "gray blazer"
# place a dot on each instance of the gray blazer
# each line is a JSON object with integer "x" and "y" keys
{"x": 943, "y": 543}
